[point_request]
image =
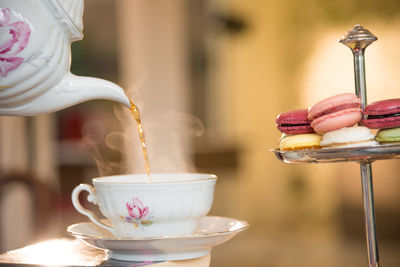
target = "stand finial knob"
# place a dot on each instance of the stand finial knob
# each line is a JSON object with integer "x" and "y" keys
{"x": 358, "y": 38}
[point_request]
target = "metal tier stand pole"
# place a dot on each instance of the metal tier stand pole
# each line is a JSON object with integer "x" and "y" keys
{"x": 357, "y": 39}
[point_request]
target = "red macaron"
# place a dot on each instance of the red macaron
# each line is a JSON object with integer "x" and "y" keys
{"x": 335, "y": 112}
{"x": 294, "y": 122}
{"x": 383, "y": 114}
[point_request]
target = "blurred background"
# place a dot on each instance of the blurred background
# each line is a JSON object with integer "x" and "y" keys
{"x": 210, "y": 77}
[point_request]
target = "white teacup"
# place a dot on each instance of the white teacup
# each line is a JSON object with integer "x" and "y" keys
{"x": 171, "y": 205}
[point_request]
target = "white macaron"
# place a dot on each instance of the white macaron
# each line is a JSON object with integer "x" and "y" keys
{"x": 356, "y": 136}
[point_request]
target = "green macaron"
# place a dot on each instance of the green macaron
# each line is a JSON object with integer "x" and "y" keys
{"x": 388, "y": 135}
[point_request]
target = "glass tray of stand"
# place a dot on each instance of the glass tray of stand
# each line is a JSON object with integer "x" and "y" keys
{"x": 365, "y": 154}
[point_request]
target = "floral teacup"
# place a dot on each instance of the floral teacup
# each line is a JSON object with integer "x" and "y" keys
{"x": 172, "y": 204}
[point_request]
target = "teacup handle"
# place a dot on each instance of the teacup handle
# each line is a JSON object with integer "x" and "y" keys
{"x": 92, "y": 199}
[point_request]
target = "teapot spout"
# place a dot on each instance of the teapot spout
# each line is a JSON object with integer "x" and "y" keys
{"x": 71, "y": 90}
{"x": 78, "y": 89}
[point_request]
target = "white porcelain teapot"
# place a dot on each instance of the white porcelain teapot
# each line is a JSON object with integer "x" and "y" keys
{"x": 35, "y": 58}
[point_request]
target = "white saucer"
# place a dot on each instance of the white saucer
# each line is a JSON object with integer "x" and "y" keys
{"x": 211, "y": 231}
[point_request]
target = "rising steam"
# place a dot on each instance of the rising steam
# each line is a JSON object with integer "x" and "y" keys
{"x": 169, "y": 137}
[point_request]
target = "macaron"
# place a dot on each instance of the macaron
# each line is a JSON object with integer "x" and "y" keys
{"x": 335, "y": 112}
{"x": 294, "y": 122}
{"x": 383, "y": 114}
{"x": 300, "y": 141}
{"x": 388, "y": 135}
{"x": 349, "y": 137}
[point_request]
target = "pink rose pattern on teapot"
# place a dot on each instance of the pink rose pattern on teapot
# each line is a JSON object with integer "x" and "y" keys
{"x": 14, "y": 37}
{"x": 138, "y": 213}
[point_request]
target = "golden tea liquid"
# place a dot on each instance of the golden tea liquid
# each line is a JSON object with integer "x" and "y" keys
{"x": 136, "y": 115}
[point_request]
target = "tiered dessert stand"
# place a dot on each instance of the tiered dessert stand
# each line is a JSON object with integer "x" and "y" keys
{"x": 357, "y": 39}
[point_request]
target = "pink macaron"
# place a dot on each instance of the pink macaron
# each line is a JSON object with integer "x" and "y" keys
{"x": 383, "y": 114}
{"x": 335, "y": 112}
{"x": 294, "y": 122}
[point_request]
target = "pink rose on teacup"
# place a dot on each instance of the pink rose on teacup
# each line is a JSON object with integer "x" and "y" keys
{"x": 136, "y": 209}
{"x": 137, "y": 213}
{"x": 14, "y": 38}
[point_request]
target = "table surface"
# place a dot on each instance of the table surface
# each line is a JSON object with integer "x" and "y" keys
{"x": 72, "y": 252}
